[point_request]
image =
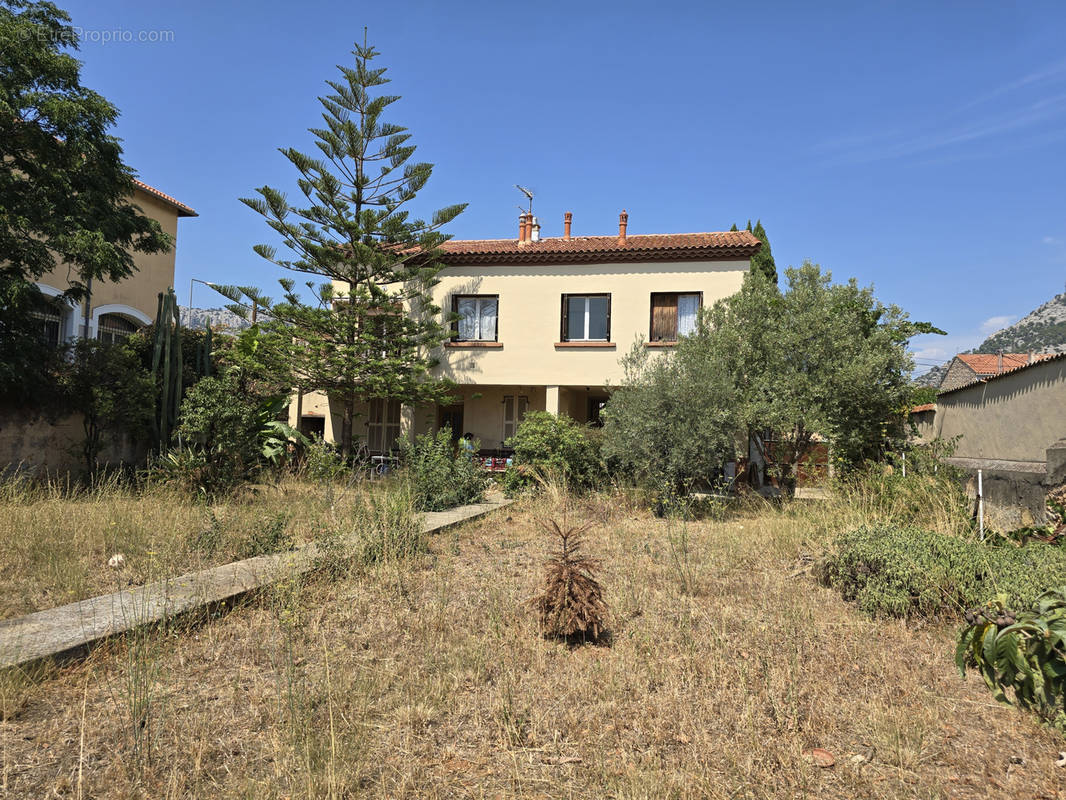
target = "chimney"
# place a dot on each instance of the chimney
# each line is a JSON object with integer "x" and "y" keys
{"x": 623, "y": 221}
{"x": 999, "y": 363}
{"x": 1030, "y": 361}
{"x": 534, "y": 229}
{"x": 567, "y": 219}
{"x": 522, "y": 232}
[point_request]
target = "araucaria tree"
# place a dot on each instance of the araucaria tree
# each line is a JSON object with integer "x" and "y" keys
{"x": 371, "y": 325}
{"x": 66, "y": 198}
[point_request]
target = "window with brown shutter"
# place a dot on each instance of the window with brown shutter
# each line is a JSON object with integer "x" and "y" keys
{"x": 673, "y": 314}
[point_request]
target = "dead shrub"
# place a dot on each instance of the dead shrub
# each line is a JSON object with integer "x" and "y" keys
{"x": 571, "y": 605}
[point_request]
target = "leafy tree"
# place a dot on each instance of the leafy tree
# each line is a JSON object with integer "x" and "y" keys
{"x": 553, "y": 445}
{"x": 111, "y": 391}
{"x": 372, "y": 322}
{"x": 819, "y": 360}
{"x": 672, "y": 422}
{"x": 65, "y": 195}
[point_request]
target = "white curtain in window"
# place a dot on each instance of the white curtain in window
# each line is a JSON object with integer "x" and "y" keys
{"x": 487, "y": 327}
{"x": 688, "y": 306}
{"x": 467, "y": 318}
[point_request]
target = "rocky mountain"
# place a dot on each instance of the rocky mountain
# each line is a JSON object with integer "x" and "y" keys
{"x": 1041, "y": 331}
{"x": 217, "y": 318}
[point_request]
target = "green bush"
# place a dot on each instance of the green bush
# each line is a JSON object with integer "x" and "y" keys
{"x": 895, "y": 570}
{"x": 1020, "y": 651}
{"x": 322, "y": 463}
{"x": 440, "y": 477}
{"x": 545, "y": 445}
{"x": 387, "y": 528}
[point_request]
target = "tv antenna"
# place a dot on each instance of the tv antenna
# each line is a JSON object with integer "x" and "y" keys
{"x": 528, "y": 194}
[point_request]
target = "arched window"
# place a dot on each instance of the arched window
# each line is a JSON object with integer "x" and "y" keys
{"x": 50, "y": 321}
{"x": 113, "y": 329}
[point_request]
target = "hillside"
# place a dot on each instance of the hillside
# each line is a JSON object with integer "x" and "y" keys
{"x": 1043, "y": 331}
{"x": 1040, "y": 331}
{"x": 215, "y": 317}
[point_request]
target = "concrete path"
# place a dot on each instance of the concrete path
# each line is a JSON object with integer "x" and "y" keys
{"x": 74, "y": 627}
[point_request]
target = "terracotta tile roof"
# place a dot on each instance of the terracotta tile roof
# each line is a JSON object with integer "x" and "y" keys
{"x": 989, "y": 364}
{"x": 602, "y": 249}
{"x": 923, "y": 407}
{"x": 183, "y": 210}
{"x": 1037, "y": 360}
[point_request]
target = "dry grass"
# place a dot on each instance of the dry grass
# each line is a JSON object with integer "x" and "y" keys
{"x": 429, "y": 679}
{"x": 55, "y": 541}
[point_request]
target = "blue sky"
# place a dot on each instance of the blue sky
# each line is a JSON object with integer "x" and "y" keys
{"x": 914, "y": 146}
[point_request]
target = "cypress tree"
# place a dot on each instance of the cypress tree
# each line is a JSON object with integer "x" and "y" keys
{"x": 763, "y": 261}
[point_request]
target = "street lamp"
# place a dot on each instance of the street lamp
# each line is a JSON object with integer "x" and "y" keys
{"x": 191, "y": 282}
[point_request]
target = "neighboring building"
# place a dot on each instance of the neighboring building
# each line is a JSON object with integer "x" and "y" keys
{"x": 1012, "y": 427}
{"x": 969, "y": 367}
{"x": 112, "y": 312}
{"x": 115, "y": 310}
{"x": 544, "y": 323}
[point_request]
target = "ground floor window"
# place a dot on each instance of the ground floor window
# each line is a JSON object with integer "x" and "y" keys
{"x": 113, "y": 329}
{"x": 383, "y": 427}
{"x": 49, "y": 325}
{"x": 514, "y": 410}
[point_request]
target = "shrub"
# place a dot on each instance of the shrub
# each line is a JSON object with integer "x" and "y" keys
{"x": 898, "y": 570}
{"x": 322, "y": 463}
{"x": 1021, "y": 652}
{"x": 440, "y": 477}
{"x": 387, "y": 528}
{"x": 571, "y": 604}
{"x": 546, "y": 444}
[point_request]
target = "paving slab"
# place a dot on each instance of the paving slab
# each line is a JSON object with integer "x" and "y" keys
{"x": 75, "y": 627}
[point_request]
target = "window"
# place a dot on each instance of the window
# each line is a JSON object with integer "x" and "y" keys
{"x": 514, "y": 411}
{"x": 477, "y": 317}
{"x": 114, "y": 329}
{"x": 49, "y": 325}
{"x": 673, "y": 314}
{"x": 383, "y": 427}
{"x": 586, "y": 318}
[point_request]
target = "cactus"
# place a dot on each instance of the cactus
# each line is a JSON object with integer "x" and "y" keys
{"x": 167, "y": 366}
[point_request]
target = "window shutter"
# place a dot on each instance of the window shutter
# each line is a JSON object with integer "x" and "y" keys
{"x": 608, "y": 318}
{"x": 663, "y": 317}
{"x": 455, "y": 320}
{"x": 565, "y": 322}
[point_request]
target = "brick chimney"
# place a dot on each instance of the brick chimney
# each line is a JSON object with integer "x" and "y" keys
{"x": 567, "y": 219}
{"x": 523, "y": 231}
{"x": 623, "y": 221}
{"x": 999, "y": 362}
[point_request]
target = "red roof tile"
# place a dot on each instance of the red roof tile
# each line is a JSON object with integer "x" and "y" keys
{"x": 990, "y": 364}
{"x": 923, "y": 407}
{"x": 601, "y": 249}
{"x": 183, "y": 210}
{"x": 1037, "y": 358}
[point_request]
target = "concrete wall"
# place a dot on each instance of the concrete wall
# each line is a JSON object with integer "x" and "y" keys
{"x": 1011, "y": 428}
{"x": 1014, "y": 417}
{"x": 43, "y": 447}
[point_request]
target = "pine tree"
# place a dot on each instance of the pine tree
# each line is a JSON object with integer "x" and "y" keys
{"x": 372, "y": 323}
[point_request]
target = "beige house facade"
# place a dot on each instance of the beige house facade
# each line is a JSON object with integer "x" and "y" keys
{"x": 116, "y": 309}
{"x": 544, "y": 322}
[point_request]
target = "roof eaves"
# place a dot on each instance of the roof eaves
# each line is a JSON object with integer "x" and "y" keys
{"x": 1046, "y": 358}
{"x": 183, "y": 210}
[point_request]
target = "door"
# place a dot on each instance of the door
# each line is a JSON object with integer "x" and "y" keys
{"x": 451, "y": 417}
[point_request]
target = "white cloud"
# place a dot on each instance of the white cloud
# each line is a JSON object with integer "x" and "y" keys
{"x": 1051, "y": 240}
{"x": 993, "y": 324}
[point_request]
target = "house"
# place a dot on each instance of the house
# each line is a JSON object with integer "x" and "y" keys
{"x": 115, "y": 310}
{"x": 1012, "y": 427}
{"x": 543, "y": 323}
{"x": 969, "y": 367}
{"x": 112, "y": 311}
